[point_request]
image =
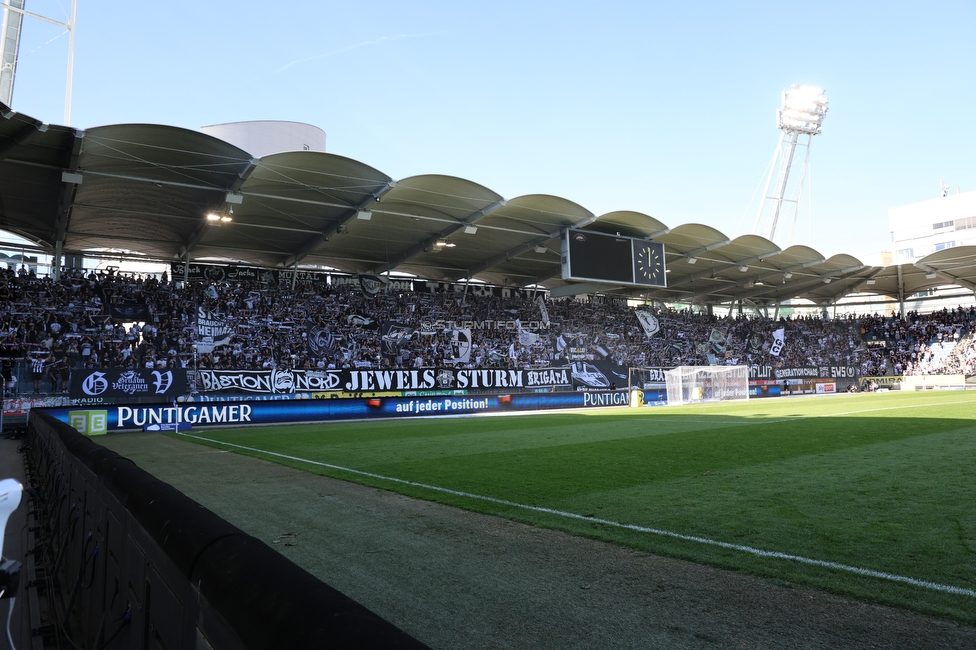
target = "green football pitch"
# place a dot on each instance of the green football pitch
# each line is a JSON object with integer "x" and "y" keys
{"x": 866, "y": 495}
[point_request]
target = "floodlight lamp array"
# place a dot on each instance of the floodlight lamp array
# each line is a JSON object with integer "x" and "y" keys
{"x": 803, "y": 111}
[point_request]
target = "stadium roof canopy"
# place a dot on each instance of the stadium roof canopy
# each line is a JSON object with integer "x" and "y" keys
{"x": 146, "y": 190}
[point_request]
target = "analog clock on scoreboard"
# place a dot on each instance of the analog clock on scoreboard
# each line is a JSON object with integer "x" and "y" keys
{"x": 649, "y": 263}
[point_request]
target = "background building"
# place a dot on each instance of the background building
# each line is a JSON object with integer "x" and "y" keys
{"x": 924, "y": 228}
{"x": 264, "y": 137}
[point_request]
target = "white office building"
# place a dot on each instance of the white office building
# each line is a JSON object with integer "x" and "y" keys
{"x": 924, "y": 228}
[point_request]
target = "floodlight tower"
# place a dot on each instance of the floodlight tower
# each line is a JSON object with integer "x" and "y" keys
{"x": 9, "y": 47}
{"x": 803, "y": 111}
{"x": 13, "y": 20}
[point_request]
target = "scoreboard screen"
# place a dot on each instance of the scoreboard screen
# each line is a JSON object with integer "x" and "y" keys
{"x": 600, "y": 257}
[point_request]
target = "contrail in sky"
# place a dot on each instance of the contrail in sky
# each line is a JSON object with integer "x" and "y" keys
{"x": 375, "y": 41}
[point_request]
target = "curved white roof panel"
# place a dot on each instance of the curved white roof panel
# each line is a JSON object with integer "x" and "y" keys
{"x": 265, "y": 137}
{"x": 149, "y": 188}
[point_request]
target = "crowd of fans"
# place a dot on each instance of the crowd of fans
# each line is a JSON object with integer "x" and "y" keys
{"x": 50, "y": 329}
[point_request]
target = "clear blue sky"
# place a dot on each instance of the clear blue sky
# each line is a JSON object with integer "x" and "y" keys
{"x": 665, "y": 108}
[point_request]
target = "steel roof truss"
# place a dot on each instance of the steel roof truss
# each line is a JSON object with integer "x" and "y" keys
{"x": 429, "y": 242}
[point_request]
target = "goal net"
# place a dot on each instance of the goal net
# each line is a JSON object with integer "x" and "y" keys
{"x": 689, "y": 384}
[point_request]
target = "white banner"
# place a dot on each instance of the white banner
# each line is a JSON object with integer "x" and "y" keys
{"x": 212, "y": 331}
{"x": 779, "y": 340}
{"x": 649, "y": 322}
{"x": 462, "y": 345}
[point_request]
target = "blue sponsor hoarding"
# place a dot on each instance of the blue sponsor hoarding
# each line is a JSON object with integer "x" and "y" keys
{"x": 122, "y": 417}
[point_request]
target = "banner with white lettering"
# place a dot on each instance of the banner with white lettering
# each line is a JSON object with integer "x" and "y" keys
{"x": 234, "y": 273}
{"x": 171, "y": 416}
{"x": 291, "y": 381}
{"x": 650, "y": 377}
{"x": 115, "y": 383}
{"x": 212, "y": 330}
{"x": 834, "y": 371}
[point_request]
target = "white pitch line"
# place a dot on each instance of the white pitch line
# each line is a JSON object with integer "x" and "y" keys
{"x": 843, "y": 413}
{"x": 740, "y": 422}
{"x": 934, "y": 586}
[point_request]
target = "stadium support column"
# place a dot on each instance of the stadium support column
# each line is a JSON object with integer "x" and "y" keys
{"x": 901, "y": 292}
{"x": 56, "y": 262}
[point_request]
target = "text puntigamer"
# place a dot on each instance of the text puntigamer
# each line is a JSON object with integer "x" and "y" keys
{"x": 231, "y": 414}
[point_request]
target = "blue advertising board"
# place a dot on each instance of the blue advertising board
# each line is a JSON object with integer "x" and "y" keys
{"x": 123, "y": 417}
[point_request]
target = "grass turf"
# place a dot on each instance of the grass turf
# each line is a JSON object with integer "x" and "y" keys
{"x": 882, "y": 482}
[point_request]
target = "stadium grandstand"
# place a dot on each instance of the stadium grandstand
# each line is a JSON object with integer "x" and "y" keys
{"x": 301, "y": 353}
{"x": 305, "y": 287}
{"x": 54, "y": 328}
{"x": 307, "y": 259}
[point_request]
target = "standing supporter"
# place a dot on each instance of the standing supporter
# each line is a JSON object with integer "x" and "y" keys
{"x": 37, "y": 371}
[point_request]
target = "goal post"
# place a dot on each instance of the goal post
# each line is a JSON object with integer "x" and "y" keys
{"x": 646, "y": 385}
{"x": 641, "y": 378}
{"x": 691, "y": 384}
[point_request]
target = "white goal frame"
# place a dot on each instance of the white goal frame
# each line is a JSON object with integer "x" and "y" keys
{"x": 693, "y": 384}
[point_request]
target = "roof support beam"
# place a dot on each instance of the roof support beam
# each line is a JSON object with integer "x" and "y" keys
{"x": 805, "y": 265}
{"x": 867, "y": 280}
{"x": 706, "y": 273}
{"x": 704, "y": 249}
{"x": 837, "y": 274}
{"x": 243, "y": 176}
{"x": 501, "y": 258}
{"x": 951, "y": 279}
{"x": 68, "y": 190}
{"x": 816, "y": 281}
{"x": 156, "y": 181}
{"x": 22, "y": 137}
{"x": 201, "y": 229}
{"x": 426, "y": 244}
{"x": 314, "y": 242}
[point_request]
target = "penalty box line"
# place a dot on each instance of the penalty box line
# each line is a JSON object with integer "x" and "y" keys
{"x": 934, "y": 586}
